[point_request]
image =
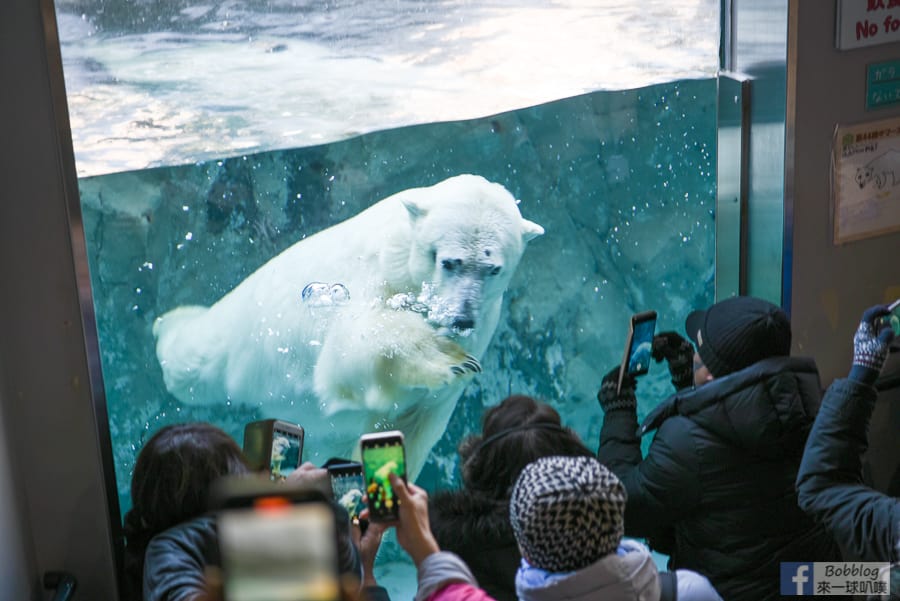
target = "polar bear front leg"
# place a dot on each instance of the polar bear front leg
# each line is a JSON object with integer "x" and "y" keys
{"x": 375, "y": 359}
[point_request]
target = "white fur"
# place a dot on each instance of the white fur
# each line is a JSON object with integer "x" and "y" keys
{"x": 417, "y": 265}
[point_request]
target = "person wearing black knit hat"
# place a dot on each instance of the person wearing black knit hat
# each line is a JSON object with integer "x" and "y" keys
{"x": 716, "y": 489}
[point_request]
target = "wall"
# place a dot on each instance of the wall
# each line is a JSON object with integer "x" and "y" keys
{"x": 16, "y": 563}
{"x": 831, "y": 285}
{"x": 54, "y": 484}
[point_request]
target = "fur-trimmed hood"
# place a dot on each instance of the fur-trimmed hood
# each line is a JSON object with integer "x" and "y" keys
{"x": 477, "y": 528}
{"x": 462, "y": 518}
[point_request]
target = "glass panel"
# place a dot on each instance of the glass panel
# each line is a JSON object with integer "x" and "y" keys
{"x": 599, "y": 117}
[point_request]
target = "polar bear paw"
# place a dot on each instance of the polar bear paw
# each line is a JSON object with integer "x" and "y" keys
{"x": 470, "y": 365}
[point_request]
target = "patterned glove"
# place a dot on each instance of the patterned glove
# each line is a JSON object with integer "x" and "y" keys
{"x": 679, "y": 354}
{"x": 870, "y": 345}
{"x": 609, "y": 399}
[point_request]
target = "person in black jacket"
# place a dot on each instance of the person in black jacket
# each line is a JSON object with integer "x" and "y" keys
{"x": 473, "y": 522}
{"x": 716, "y": 489}
{"x": 865, "y": 522}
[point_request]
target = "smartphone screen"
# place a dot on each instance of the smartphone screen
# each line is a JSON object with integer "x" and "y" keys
{"x": 641, "y": 345}
{"x": 348, "y": 487}
{"x": 278, "y": 550}
{"x": 638, "y": 346}
{"x": 894, "y": 318}
{"x": 382, "y": 454}
{"x": 287, "y": 448}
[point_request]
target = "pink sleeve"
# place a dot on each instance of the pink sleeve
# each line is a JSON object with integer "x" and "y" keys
{"x": 460, "y": 592}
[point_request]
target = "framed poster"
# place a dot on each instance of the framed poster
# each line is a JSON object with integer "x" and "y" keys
{"x": 866, "y": 180}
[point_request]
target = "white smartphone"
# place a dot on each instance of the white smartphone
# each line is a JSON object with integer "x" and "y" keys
{"x": 382, "y": 454}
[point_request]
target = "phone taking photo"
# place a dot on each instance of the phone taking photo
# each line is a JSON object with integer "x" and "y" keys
{"x": 274, "y": 445}
{"x": 382, "y": 454}
{"x": 276, "y": 542}
{"x": 638, "y": 346}
{"x": 349, "y": 487}
{"x": 893, "y": 319}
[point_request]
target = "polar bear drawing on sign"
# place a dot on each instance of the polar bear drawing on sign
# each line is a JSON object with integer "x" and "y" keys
{"x": 882, "y": 171}
{"x": 378, "y": 322}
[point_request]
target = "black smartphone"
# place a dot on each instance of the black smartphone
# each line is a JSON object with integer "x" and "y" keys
{"x": 274, "y": 445}
{"x": 638, "y": 346}
{"x": 276, "y": 542}
{"x": 349, "y": 487}
{"x": 382, "y": 454}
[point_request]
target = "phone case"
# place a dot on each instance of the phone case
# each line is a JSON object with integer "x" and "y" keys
{"x": 641, "y": 324}
{"x": 349, "y": 487}
{"x": 274, "y": 445}
{"x": 263, "y": 533}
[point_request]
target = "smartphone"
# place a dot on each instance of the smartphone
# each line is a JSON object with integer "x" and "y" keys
{"x": 894, "y": 318}
{"x": 276, "y": 542}
{"x": 382, "y": 453}
{"x": 638, "y": 346}
{"x": 274, "y": 445}
{"x": 349, "y": 487}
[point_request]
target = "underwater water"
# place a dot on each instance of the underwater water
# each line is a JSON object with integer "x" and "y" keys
{"x": 622, "y": 182}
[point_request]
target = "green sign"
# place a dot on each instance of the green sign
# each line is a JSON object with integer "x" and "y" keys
{"x": 883, "y": 84}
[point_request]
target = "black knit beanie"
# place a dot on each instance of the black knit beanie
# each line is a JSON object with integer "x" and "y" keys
{"x": 737, "y": 332}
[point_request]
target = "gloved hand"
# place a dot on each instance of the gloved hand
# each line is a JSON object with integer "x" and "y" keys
{"x": 679, "y": 354}
{"x": 870, "y": 345}
{"x": 624, "y": 399}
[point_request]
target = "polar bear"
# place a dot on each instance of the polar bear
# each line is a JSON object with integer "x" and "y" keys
{"x": 375, "y": 323}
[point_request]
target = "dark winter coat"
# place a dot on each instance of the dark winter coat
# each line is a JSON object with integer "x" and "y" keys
{"x": 865, "y": 522}
{"x": 477, "y": 529}
{"x": 176, "y": 559}
{"x": 716, "y": 490}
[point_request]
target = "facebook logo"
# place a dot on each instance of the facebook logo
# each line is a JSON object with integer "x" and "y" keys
{"x": 797, "y": 578}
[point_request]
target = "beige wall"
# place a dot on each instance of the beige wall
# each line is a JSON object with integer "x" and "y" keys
{"x": 832, "y": 285}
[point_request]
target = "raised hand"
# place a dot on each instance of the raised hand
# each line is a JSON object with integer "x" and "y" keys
{"x": 679, "y": 355}
{"x": 610, "y": 399}
{"x": 870, "y": 344}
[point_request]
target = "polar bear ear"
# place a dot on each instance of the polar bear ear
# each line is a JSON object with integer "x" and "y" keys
{"x": 416, "y": 211}
{"x": 530, "y": 230}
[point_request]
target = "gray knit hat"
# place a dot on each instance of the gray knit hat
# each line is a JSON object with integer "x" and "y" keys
{"x": 567, "y": 512}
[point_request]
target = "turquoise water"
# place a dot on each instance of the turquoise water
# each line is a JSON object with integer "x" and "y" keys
{"x": 623, "y": 183}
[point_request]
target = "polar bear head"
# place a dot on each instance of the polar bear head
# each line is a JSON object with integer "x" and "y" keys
{"x": 466, "y": 239}
{"x": 863, "y": 175}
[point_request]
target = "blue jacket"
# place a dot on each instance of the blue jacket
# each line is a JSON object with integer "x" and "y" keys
{"x": 865, "y": 522}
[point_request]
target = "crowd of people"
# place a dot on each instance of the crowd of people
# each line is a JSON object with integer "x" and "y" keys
{"x": 749, "y": 467}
